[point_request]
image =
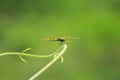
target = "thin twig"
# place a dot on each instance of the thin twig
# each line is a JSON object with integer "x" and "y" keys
{"x": 29, "y": 55}
{"x": 59, "y": 54}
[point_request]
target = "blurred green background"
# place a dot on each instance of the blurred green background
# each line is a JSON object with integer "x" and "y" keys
{"x": 95, "y": 56}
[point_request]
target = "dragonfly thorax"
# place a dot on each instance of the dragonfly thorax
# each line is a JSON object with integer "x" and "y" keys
{"x": 60, "y": 39}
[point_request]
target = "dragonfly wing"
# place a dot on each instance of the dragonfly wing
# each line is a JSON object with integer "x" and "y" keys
{"x": 49, "y": 39}
{"x": 71, "y": 37}
{"x": 45, "y": 38}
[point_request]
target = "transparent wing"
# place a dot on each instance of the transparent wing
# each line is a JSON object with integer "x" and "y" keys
{"x": 49, "y": 39}
{"x": 71, "y": 37}
{"x": 55, "y": 38}
{"x": 45, "y": 38}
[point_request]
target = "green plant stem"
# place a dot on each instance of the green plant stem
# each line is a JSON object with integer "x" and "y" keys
{"x": 57, "y": 56}
{"x": 29, "y": 55}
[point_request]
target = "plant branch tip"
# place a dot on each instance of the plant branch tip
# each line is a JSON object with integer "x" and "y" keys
{"x": 25, "y": 50}
{"x": 58, "y": 55}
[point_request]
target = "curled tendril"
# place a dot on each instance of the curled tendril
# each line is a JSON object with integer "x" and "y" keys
{"x": 57, "y": 54}
{"x": 56, "y": 57}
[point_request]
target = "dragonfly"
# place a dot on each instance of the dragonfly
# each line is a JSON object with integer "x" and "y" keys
{"x": 60, "y": 39}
